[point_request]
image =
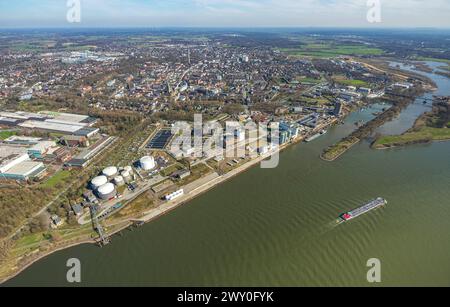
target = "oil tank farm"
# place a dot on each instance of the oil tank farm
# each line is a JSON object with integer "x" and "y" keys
{"x": 110, "y": 172}
{"x": 107, "y": 191}
{"x": 98, "y": 182}
{"x": 147, "y": 163}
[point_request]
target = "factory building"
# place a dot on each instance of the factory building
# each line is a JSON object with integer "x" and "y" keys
{"x": 65, "y": 123}
{"x": 88, "y": 154}
{"x": 62, "y": 155}
{"x": 75, "y": 141}
{"x": 63, "y": 128}
{"x": 37, "y": 147}
{"x": 22, "y": 140}
{"x": 11, "y": 156}
{"x": 25, "y": 170}
{"x": 15, "y": 164}
{"x": 41, "y": 149}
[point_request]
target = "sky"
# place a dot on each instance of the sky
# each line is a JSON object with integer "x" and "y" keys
{"x": 225, "y": 13}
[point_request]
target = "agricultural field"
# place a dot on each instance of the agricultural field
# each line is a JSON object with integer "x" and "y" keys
{"x": 328, "y": 50}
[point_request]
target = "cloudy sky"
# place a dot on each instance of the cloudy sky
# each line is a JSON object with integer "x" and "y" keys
{"x": 225, "y": 13}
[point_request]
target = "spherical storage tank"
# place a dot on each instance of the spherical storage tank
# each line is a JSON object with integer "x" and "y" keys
{"x": 147, "y": 163}
{"x": 106, "y": 191}
{"x": 119, "y": 181}
{"x": 98, "y": 182}
{"x": 110, "y": 171}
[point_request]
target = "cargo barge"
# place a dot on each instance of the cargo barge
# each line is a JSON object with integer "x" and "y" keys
{"x": 372, "y": 205}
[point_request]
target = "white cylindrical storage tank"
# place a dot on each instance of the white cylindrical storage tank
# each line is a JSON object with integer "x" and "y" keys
{"x": 107, "y": 191}
{"x": 98, "y": 182}
{"x": 119, "y": 181}
{"x": 126, "y": 176}
{"x": 110, "y": 172}
{"x": 147, "y": 163}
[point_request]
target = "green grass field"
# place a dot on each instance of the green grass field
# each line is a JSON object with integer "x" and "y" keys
{"x": 6, "y": 134}
{"x": 323, "y": 50}
{"x": 55, "y": 179}
{"x": 426, "y": 134}
{"x": 344, "y": 81}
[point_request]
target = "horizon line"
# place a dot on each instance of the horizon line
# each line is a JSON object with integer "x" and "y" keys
{"x": 72, "y": 27}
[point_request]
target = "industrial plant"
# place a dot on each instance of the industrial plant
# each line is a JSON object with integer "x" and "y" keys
{"x": 37, "y": 140}
{"x": 105, "y": 186}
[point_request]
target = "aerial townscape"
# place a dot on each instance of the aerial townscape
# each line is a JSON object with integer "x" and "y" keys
{"x": 92, "y": 146}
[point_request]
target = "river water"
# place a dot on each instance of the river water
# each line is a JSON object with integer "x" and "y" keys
{"x": 276, "y": 227}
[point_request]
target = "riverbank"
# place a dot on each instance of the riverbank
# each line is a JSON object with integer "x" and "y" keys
{"x": 235, "y": 222}
{"x": 14, "y": 266}
{"x": 399, "y": 103}
{"x": 155, "y": 213}
{"x": 14, "y": 269}
{"x": 430, "y": 127}
{"x": 336, "y": 151}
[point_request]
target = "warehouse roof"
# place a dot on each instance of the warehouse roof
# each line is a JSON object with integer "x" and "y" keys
{"x": 45, "y": 125}
{"x": 26, "y": 169}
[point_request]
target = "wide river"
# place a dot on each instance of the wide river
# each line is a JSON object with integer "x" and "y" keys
{"x": 276, "y": 227}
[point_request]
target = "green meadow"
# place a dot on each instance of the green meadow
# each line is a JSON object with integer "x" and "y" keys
{"x": 324, "y": 50}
